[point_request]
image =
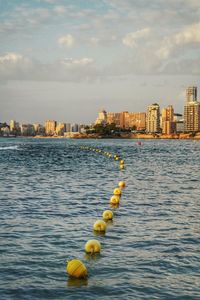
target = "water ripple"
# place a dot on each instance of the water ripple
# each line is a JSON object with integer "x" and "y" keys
{"x": 52, "y": 193}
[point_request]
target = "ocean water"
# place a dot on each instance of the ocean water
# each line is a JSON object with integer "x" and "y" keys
{"x": 51, "y": 193}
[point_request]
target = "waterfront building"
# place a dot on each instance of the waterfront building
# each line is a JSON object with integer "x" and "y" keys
{"x": 60, "y": 129}
{"x": 178, "y": 117}
{"x": 39, "y": 129}
{"x": 14, "y": 127}
{"x": 179, "y": 122}
{"x": 167, "y": 120}
{"x": 50, "y": 127}
{"x": 82, "y": 128}
{"x": 191, "y": 94}
{"x": 68, "y": 127}
{"x": 128, "y": 120}
{"x": 179, "y": 126}
{"x": 136, "y": 120}
{"x": 114, "y": 118}
{"x": 192, "y": 116}
{"x": 191, "y": 111}
{"x": 4, "y": 129}
{"x": 102, "y": 118}
{"x": 27, "y": 130}
{"x": 153, "y": 118}
{"x": 74, "y": 127}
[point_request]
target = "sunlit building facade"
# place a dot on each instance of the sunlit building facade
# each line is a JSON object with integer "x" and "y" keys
{"x": 153, "y": 118}
{"x": 50, "y": 127}
{"x": 167, "y": 120}
{"x": 102, "y": 118}
{"x": 191, "y": 111}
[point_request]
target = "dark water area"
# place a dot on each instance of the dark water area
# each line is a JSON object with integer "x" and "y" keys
{"x": 52, "y": 192}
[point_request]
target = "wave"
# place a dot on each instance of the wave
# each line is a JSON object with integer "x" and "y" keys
{"x": 10, "y": 148}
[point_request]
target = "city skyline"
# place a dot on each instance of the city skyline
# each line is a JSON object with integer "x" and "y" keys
{"x": 153, "y": 121}
{"x": 68, "y": 59}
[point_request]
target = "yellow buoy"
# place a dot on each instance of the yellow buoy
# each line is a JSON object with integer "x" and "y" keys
{"x": 117, "y": 192}
{"x": 121, "y": 167}
{"x": 99, "y": 226}
{"x": 121, "y": 162}
{"x": 92, "y": 246}
{"x": 114, "y": 199}
{"x": 75, "y": 268}
{"x": 114, "y": 206}
{"x": 122, "y": 184}
{"x": 107, "y": 215}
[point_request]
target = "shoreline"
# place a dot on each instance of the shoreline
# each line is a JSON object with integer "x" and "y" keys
{"x": 181, "y": 136}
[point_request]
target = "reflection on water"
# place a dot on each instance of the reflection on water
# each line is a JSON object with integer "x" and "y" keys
{"x": 74, "y": 282}
{"x": 51, "y": 195}
{"x": 92, "y": 256}
{"x": 99, "y": 233}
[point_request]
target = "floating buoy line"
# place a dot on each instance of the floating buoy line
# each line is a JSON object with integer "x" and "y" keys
{"x": 76, "y": 268}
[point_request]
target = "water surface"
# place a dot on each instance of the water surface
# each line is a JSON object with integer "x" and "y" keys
{"x": 51, "y": 193}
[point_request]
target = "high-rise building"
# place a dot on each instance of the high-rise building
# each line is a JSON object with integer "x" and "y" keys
{"x": 191, "y": 111}
{"x": 127, "y": 119}
{"x": 137, "y": 120}
{"x": 168, "y": 124}
{"x": 74, "y": 127}
{"x": 27, "y": 130}
{"x": 60, "y": 129}
{"x": 50, "y": 127}
{"x": 39, "y": 129}
{"x": 153, "y": 118}
{"x": 191, "y": 94}
{"x": 192, "y": 116}
{"x": 12, "y": 125}
{"x": 102, "y": 118}
{"x": 113, "y": 118}
{"x": 179, "y": 122}
{"x": 68, "y": 127}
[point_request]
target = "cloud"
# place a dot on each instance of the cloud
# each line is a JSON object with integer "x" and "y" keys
{"x": 66, "y": 40}
{"x": 60, "y": 9}
{"x": 188, "y": 37}
{"x": 15, "y": 66}
{"x": 94, "y": 41}
{"x": 10, "y": 58}
{"x": 131, "y": 39}
{"x": 184, "y": 66}
{"x": 70, "y": 62}
{"x": 12, "y": 64}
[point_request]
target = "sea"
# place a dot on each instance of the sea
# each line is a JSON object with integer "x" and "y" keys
{"x": 52, "y": 191}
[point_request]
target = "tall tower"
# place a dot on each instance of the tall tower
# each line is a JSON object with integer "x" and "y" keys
{"x": 153, "y": 118}
{"x": 191, "y": 94}
{"x": 191, "y": 111}
{"x": 168, "y": 125}
{"x": 50, "y": 127}
{"x": 102, "y": 118}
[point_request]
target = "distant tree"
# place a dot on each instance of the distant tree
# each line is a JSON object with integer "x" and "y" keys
{"x": 107, "y": 129}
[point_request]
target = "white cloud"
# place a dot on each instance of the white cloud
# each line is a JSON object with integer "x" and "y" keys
{"x": 66, "y": 40}
{"x": 94, "y": 41}
{"x": 13, "y": 60}
{"x": 70, "y": 62}
{"x": 15, "y": 66}
{"x": 60, "y": 9}
{"x": 190, "y": 35}
{"x": 131, "y": 39}
{"x": 187, "y": 37}
{"x": 10, "y": 58}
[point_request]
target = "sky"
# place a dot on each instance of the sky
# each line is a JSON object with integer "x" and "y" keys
{"x": 68, "y": 59}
